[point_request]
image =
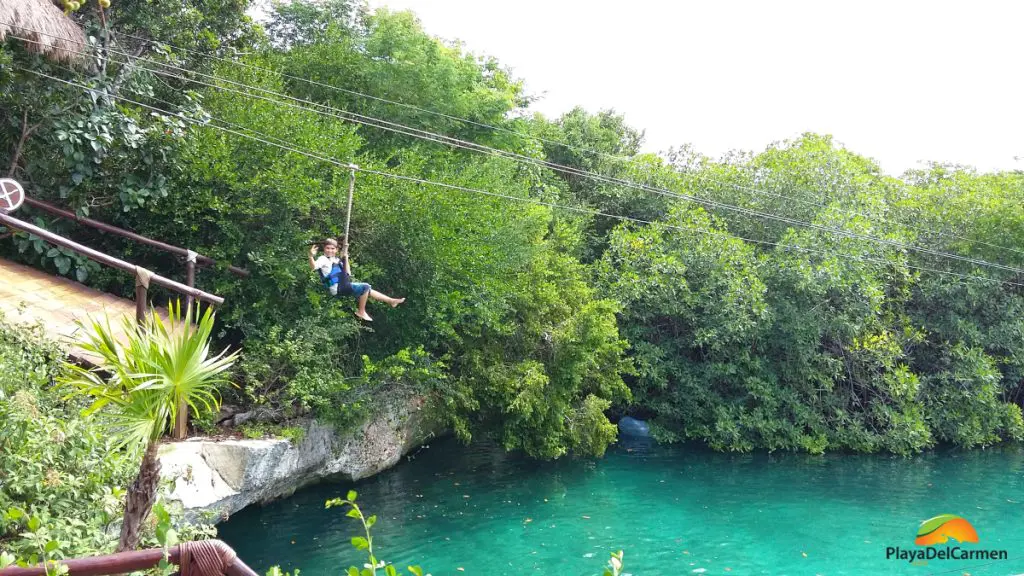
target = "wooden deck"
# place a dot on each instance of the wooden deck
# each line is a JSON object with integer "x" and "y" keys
{"x": 29, "y": 296}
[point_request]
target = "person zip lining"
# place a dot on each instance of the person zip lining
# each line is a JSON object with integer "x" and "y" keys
{"x": 336, "y": 275}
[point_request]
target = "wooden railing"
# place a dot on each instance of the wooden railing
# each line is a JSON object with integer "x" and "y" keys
{"x": 201, "y": 558}
{"x": 68, "y": 215}
{"x": 143, "y": 277}
{"x": 191, "y": 258}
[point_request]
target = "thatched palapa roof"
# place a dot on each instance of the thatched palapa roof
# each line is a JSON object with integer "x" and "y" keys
{"x": 45, "y": 26}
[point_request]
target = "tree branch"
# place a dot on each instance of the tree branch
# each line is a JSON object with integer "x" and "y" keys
{"x": 26, "y": 131}
{"x": 126, "y": 71}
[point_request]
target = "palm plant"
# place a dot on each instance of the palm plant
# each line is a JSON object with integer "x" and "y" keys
{"x": 139, "y": 385}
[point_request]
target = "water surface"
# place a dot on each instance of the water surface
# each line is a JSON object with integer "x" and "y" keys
{"x": 673, "y": 510}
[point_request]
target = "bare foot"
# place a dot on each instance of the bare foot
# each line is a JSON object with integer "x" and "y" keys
{"x": 396, "y": 301}
{"x": 364, "y": 316}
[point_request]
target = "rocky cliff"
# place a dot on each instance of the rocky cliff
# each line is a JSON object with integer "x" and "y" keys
{"x": 213, "y": 479}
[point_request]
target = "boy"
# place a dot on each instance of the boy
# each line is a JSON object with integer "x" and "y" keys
{"x": 337, "y": 277}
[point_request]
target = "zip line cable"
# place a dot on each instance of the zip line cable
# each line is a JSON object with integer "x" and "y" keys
{"x": 350, "y": 166}
{"x": 841, "y": 232}
{"x": 487, "y": 150}
{"x": 377, "y": 98}
{"x": 426, "y": 135}
{"x": 855, "y": 213}
{"x": 521, "y": 134}
{"x": 442, "y": 139}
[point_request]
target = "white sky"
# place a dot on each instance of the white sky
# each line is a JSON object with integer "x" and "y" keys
{"x": 899, "y": 81}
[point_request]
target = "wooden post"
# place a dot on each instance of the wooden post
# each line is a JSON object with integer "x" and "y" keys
{"x": 190, "y": 277}
{"x": 181, "y": 422}
{"x": 348, "y": 212}
{"x": 142, "y": 277}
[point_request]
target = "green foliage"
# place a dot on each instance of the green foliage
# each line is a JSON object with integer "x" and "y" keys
{"x": 293, "y": 434}
{"x": 255, "y": 431}
{"x": 302, "y": 370}
{"x": 693, "y": 305}
{"x": 294, "y": 24}
{"x": 56, "y": 257}
{"x": 258, "y": 431}
{"x": 614, "y": 564}
{"x": 61, "y": 478}
{"x": 139, "y": 385}
{"x": 963, "y": 400}
{"x": 823, "y": 339}
{"x": 204, "y": 423}
{"x": 389, "y": 53}
{"x": 365, "y": 543}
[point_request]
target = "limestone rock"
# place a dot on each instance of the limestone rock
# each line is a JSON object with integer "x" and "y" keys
{"x": 213, "y": 479}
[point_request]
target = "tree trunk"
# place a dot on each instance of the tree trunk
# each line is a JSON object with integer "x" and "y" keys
{"x": 140, "y": 499}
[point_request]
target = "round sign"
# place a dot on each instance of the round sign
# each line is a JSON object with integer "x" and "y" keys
{"x": 11, "y": 195}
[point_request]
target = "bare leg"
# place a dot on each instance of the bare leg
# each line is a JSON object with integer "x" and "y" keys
{"x": 361, "y": 312}
{"x": 385, "y": 298}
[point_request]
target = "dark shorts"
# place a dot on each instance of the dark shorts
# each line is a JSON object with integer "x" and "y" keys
{"x": 356, "y": 289}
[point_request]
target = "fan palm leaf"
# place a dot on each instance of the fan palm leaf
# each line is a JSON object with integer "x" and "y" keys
{"x": 157, "y": 367}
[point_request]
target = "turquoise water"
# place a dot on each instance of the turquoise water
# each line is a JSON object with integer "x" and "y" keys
{"x": 673, "y": 510}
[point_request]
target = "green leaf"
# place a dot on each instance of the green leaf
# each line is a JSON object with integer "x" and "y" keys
{"x": 351, "y": 496}
{"x": 390, "y": 570}
{"x": 371, "y": 521}
{"x": 63, "y": 264}
{"x": 932, "y": 524}
{"x": 415, "y": 570}
{"x": 353, "y": 571}
{"x": 51, "y": 546}
{"x": 360, "y": 543}
{"x": 33, "y": 524}
{"x": 161, "y": 513}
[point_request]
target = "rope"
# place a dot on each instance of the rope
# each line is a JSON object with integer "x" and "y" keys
{"x": 205, "y": 558}
{"x": 142, "y": 277}
{"x": 348, "y": 211}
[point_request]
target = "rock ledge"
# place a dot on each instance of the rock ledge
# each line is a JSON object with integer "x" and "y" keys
{"x": 213, "y": 479}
